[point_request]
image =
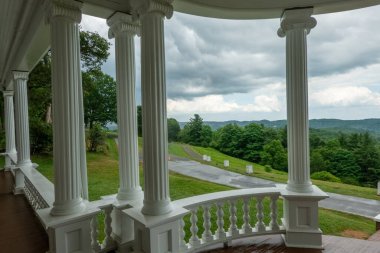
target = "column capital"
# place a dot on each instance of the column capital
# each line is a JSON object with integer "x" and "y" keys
{"x": 163, "y": 7}
{"x": 120, "y": 23}
{"x": 70, "y": 9}
{"x": 23, "y": 75}
{"x": 296, "y": 19}
{"x": 8, "y": 93}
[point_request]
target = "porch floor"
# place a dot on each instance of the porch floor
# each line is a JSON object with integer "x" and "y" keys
{"x": 20, "y": 229}
{"x": 275, "y": 244}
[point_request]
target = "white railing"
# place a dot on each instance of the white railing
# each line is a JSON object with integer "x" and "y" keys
{"x": 38, "y": 190}
{"x": 108, "y": 243}
{"x": 217, "y": 227}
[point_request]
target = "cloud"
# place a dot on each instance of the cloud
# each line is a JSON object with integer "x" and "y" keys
{"x": 346, "y": 96}
{"x": 217, "y": 104}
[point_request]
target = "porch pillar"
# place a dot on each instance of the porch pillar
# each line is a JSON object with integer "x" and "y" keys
{"x": 300, "y": 196}
{"x": 123, "y": 29}
{"x": 295, "y": 26}
{"x": 9, "y": 119}
{"x": 154, "y": 117}
{"x": 66, "y": 96}
{"x": 22, "y": 119}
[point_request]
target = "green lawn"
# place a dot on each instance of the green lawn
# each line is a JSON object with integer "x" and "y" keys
{"x": 238, "y": 166}
{"x": 103, "y": 180}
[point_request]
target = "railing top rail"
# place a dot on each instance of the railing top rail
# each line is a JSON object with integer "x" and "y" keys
{"x": 194, "y": 201}
{"x": 44, "y": 187}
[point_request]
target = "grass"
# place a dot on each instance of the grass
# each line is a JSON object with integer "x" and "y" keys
{"x": 103, "y": 178}
{"x": 238, "y": 166}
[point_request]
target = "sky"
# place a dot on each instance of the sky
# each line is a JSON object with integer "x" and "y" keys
{"x": 235, "y": 69}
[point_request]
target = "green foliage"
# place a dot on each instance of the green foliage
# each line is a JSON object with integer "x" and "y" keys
{"x": 268, "y": 168}
{"x": 173, "y": 129}
{"x": 99, "y": 92}
{"x": 325, "y": 176}
{"x": 94, "y": 50}
{"x": 96, "y": 140}
{"x": 41, "y": 137}
{"x": 196, "y": 133}
{"x": 275, "y": 155}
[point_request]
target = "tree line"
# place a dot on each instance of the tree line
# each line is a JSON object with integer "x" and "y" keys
{"x": 350, "y": 158}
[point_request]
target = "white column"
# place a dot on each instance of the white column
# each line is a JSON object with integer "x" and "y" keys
{"x": 66, "y": 95}
{"x": 295, "y": 26}
{"x": 123, "y": 29}
{"x": 9, "y": 121}
{"x": 22, "y": 119}
{"x": 153, "y": 92}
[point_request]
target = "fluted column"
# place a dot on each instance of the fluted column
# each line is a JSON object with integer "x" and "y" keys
{"x": 22, "y": 119}
{"x": 9, "y": 121}
{"x": 295, "y": 26}
{"x": 66, "y": 96}
{"x": 154, "y": 118}
{"x": 123, "y": 29}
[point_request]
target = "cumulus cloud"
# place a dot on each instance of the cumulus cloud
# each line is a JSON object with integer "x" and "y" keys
{"x": 346, "y": 96}
{"x": 217, "y": 104}
{"x": 210, "y": 61}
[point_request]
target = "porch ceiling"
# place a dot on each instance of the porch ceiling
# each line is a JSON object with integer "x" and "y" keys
{"x": 24, "y": 34}
{"x": 261, "y": 9}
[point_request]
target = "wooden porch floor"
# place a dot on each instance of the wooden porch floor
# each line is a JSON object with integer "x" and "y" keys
{"x": 275, "y": 244}
{"x": 20, "y": 230}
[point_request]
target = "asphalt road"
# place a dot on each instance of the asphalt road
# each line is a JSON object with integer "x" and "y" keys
{"x": 360, "y": 206}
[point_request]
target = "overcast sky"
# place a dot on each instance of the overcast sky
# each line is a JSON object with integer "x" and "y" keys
{"x": 235, "y": 70}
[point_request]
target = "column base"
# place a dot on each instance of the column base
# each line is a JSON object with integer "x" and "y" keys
{"x": 157, "y": 207}
{"x": 156, "y": 234}
{"x": 301, "y": 188}
{"x": 301, "y": 218}
{"x": 130, "y": 194}
{"x": 68, "y": 208}
{"x": 19, "y": 181}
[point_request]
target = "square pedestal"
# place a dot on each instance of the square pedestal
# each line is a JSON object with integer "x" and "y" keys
{"x": 301, "y": 218}
{"x": 156, "y": 234}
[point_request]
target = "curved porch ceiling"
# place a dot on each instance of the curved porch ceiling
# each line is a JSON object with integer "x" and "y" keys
{"x": 262, "y": 9}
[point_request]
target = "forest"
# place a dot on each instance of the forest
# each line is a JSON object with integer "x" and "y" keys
{"x": 352, "y": 158}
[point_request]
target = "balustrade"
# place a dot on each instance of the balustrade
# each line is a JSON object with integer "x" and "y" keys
{"x": 240, "y": 205}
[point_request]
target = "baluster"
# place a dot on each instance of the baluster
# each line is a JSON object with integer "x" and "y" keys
{"x": 246, "y": 228}
{"x": 108, "y": 241}
{"x": 94, "y": 234}
{"x": 233, "y": 230}
{"x": 220, "y": 233}
{"x": 260, "y": 225}
{"x": 182, "y": 234}
{"x": 207, "y": 235}
{"x": 273, "y": 214}
{"x": 194, "y": 240}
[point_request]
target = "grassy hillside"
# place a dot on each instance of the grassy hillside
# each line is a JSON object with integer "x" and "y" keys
{"x": 238, "y": 166}
{"x": 103, "y": 180}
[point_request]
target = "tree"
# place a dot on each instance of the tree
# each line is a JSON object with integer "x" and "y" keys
{"x": 94, "y": 50}
{"x": 173, "y": 129}
{"x": 99, "y": 98}
{"x": 196, "y": 133}
{"x": 275, "y": 155}
{"x": 252, "y": 142}
{"x": 227, "y": 140}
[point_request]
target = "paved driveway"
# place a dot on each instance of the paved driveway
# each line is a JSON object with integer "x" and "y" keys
{"x": 360, "y": 206}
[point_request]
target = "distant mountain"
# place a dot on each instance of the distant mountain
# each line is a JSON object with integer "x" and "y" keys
{"x": 371, "y": 125}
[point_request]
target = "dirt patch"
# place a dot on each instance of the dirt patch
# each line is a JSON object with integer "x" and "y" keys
{"x": 355, "y": 234}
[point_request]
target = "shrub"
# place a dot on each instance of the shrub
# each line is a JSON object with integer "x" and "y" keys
{"x": 268, "y": 168}
{"x": 325, "y": 176}
{"x": 96, "y": 139}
